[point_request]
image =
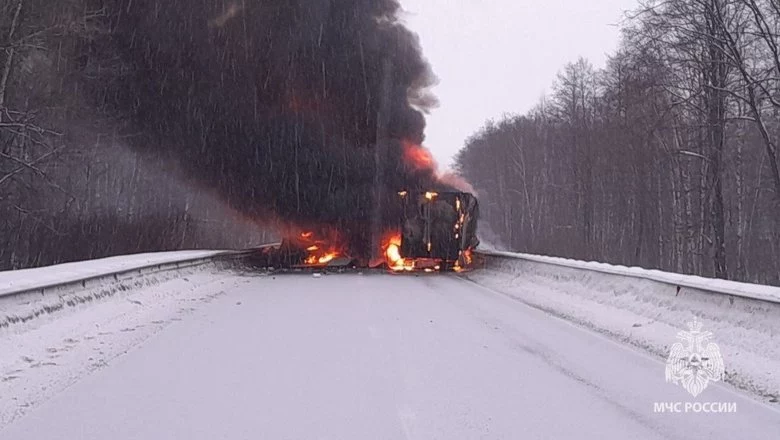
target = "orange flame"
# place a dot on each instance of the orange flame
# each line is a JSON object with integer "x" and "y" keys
{"x": 418, "y": 156}
{"x": 393, "y": 253}
{"x": 391, "y": 245}
{"x": 320, "y": 251}
{"x": 467, "y": 255}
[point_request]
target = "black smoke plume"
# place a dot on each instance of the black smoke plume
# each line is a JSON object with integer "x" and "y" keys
{"x": 275, "y": 104}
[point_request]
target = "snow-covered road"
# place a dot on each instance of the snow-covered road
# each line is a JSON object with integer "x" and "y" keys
{"x": 374, "y": 356}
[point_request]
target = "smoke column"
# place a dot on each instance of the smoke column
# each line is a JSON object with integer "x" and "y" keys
{"x": 274, "y": 104}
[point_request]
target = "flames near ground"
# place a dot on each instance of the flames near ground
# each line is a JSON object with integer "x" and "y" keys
{"x": 434, "y": 232}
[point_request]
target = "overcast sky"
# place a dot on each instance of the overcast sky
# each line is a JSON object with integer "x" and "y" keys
{"x": 500, "y": 56}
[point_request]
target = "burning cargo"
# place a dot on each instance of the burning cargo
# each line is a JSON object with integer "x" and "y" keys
{"x": 438, "y": 230}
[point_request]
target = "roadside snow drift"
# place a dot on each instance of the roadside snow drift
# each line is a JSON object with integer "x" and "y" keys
{"x": 648, "y": 308}
{"x": 745, "y": 290}
{"x": 32, "y": 294}
{"x": 64, "y": 338}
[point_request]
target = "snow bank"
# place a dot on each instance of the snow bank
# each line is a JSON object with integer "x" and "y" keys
{"x": 26, "y": 279}
{"x": 745, "y": 290}
{"x": 42, "y": 357}
{"x": 645, "y": 309}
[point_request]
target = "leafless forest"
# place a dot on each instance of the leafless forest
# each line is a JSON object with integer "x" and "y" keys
{"x": 665, "y": 158}
{"x": 71, "y": 186}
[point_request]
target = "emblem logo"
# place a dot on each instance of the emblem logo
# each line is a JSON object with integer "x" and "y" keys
{"x": 694, "y": 362}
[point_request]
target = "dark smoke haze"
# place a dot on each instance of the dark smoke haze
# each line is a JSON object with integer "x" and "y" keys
{"x": 274, "y": 104}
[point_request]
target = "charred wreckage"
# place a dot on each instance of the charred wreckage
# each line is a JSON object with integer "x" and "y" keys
{"x": 434, "y": 231}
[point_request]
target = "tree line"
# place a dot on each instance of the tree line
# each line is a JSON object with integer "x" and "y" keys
{"x": 665, "y": 158}
{"x": 71, "y": 187}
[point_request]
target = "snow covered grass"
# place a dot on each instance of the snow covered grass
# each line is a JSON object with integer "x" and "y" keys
{"x": 645, "y": 309}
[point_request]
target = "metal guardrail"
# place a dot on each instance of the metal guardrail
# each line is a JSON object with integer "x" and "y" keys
{"x": 725, "y": 287}
{"x": 34, "y": 299}
{"x": 718, "y": 286}
{"x": 128, "y": 272}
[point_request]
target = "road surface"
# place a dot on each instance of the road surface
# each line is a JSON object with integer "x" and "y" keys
{"x": 373, "y": 356}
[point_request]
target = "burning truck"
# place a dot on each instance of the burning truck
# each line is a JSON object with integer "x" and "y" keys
{"x": 434, "y": 231}
{"x": 438, "y": 231}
